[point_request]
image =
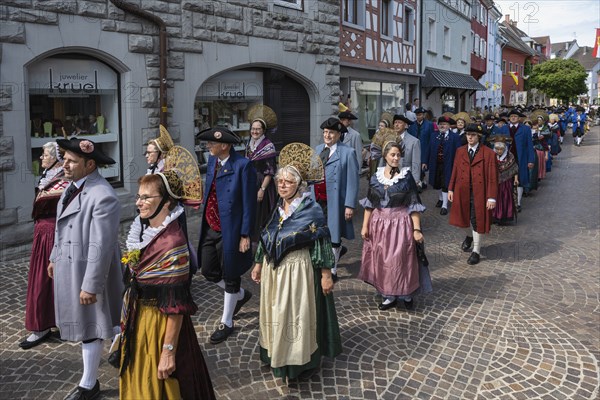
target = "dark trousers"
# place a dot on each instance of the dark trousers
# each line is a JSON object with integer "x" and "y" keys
{"x": 211, "y": 260}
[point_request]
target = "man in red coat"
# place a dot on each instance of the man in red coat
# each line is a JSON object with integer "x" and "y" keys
{"x": 473, "y": 189}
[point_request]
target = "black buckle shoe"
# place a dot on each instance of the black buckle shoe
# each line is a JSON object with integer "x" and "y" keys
{"x": 439, "y": 204}
{"x": 384, "y": 306}
{"x": 473, "y": 259}
{"x": 26, "y": 344}
{"x": 84, "y": 394}
{"x": 466, "y": 244}
{"x": 444, "y": 211}
{"x": 221, "y": 334}
{"x": 343, "y": 251}
{"x": 240, "y": 303}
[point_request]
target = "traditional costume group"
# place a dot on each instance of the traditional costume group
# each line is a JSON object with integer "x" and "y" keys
{"x": 298, "y": 237}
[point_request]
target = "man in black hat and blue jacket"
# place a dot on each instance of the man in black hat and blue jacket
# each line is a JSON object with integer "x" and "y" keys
{"x": 224, "y": 251}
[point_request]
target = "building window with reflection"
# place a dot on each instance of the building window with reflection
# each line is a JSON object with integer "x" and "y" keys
{"x": 75, "y": 95}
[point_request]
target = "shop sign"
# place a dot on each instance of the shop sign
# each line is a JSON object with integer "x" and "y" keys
{"x": 64, "y": 77}
{"x": 73, "y": 82}
{"x": 232, "y": 86}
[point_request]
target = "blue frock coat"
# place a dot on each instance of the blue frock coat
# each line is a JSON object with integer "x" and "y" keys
{"x": 525, "y": 153}
{"x": 236, "y": 196}
{"x": 341, "y": 177}
{"x": 424, "y": 135}
{"x": 450, "y": 147}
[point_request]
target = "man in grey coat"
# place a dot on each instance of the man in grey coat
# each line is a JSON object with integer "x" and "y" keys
{"x": 338, "y": 194}
{"x": 84, "y": 262}
{"x": 352, "y": 136}
{"x": 412, "y": 146}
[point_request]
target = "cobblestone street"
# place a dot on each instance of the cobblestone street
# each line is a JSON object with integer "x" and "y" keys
{"x": 522, "y": 324}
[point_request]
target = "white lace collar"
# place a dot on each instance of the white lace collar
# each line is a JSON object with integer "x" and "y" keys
{"x": 295, "y": 204}
{"x": 255, "y": 142}
{"x": 387, "y": 181}
{"x": 50, "y": 174}
{"x": 133, "y": 238}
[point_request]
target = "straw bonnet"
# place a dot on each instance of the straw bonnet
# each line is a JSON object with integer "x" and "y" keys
{"x": 305, "y": 160}
{"x": 164, "y": 142}
{"x": 263, "y": 114}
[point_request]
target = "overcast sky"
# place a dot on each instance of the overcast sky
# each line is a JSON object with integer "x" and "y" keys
{"x": 562, "y": 20}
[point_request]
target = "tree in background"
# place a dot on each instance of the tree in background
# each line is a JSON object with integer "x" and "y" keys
{"x": 559, "y": 78}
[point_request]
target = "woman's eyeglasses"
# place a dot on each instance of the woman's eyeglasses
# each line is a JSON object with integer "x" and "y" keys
{"x": 144, "y": 198}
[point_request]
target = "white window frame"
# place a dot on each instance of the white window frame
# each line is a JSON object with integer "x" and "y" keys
{"x": 447, "y": 41}
{"x": 410, "y": 24}
{"x": 464, "y": 49}
{"x": 432, "y": 45}
{"x": 295, "y": 4}
{"x": 361, "y": 11}
{"x": 390, "y": 19}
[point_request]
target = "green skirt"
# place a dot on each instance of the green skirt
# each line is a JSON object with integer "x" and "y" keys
{"x": 327, "y": 330}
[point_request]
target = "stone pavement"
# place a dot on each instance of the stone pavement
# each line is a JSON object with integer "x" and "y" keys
{"x": 523, "y": 324}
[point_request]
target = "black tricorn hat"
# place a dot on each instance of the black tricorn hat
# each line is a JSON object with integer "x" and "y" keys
{"x": 85, "y": 148}
{"x": 346, "y": 115}
{"x": 420, "y": 110}
{"x": 219, "y": 134}
{"x": 333, "y": 123}
{"x": 514, "y": 111}
{"x": 474, "y": 128}
{"x": 400, "y": 117}
{"x": 446, "y": 119}
{"x": 489, "y": 117}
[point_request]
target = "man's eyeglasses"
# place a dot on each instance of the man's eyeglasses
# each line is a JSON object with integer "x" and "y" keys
{"x": 144, "y": 198}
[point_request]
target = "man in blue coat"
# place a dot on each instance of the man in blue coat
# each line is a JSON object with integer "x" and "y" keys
{"x": 422, "y": 129}
{"x": 338, "y": 194}
{"x": 579, "y": 119}
{"x": 440, "y": 160}
{"x": 489, "y": 129}
{"x": 224, "y": 251}
{"x": 521, "y": 148}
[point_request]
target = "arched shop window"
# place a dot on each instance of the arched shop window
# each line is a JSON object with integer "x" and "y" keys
{"x": 75, "y": 95}
{"x": 226, "y": 98}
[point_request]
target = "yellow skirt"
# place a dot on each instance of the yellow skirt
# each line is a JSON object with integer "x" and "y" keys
{"x": 288, "y": 321}
{"x": 140, "y": 380}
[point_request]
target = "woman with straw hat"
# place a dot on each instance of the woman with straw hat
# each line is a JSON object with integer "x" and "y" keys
{"x": 261, "y": 152}
{"x": 298, "y": 322}
{"x": 160, "y": 353}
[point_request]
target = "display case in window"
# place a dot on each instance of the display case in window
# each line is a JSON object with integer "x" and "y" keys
{"x": 225, "y": 100}
{"x": 74, "y": 95}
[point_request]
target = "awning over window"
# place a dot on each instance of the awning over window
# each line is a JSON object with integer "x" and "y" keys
{"x": 436, "y": 78}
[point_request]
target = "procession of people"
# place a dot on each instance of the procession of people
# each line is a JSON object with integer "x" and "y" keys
{"x": 284, "y": 216}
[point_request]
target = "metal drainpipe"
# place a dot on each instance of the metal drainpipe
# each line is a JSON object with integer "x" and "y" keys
{"x": 162, "y": 51}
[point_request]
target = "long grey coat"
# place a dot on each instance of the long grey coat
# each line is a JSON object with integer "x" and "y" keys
{"x": 341, "y": 176}
{"x": 86, "y": 257}
{"x": 412, "y": 155}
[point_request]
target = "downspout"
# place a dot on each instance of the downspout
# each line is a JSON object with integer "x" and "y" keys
{"x": 162, "y": 51}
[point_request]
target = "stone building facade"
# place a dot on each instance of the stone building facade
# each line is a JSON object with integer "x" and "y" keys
{"x": 68, "y": 65}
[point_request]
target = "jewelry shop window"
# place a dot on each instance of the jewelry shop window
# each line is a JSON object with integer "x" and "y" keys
{"x": 224, "y": 100}
{"x": 75, "y": 95}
